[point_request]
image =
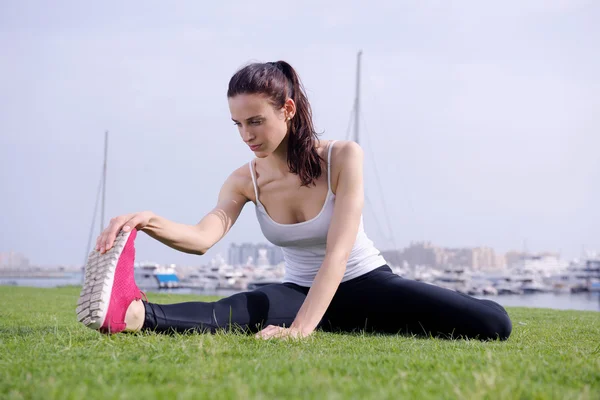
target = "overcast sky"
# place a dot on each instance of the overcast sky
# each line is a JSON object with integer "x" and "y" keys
{"x": 482, "y": 120}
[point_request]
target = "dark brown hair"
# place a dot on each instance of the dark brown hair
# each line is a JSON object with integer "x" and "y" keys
{"x": 279, "y": 81}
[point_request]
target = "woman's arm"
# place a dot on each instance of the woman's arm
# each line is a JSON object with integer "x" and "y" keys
{"x": 199, "y": 238}
{"x": 194, "y": 239}
{"x": 341, "y": 236}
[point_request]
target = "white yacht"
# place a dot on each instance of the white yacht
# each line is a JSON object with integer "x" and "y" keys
{"x": 155, "y": 276}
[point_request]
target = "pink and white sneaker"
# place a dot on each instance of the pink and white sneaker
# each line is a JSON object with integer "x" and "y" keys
{"x": 109, "y": 286}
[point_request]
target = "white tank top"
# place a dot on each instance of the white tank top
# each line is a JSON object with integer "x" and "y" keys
{"x": 303, "y": 244}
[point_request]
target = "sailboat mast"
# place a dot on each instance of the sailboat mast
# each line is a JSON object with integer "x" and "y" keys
{"x": 357, "y": 99}
{"x": 104, "y": 181}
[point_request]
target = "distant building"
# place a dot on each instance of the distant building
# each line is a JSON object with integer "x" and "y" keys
{"x": 460, "y": 257}
{"x": 257, "y": 253}
{"x": 515, "y": 257}
{"x": 427, "y": 254}
{"x": 420, "y": 253}
{"x": 393, "y": 257}
{"x": 11, "y": 259}
{"x": 478, "y": 258}
{"x": 500, "y": 261}
{"x": 484, "y": 258}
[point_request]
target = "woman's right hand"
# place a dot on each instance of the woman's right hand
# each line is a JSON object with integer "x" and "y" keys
{"x": 124, "y": 222}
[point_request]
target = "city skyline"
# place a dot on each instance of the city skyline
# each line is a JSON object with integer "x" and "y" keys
{"x": 238, "y": 253}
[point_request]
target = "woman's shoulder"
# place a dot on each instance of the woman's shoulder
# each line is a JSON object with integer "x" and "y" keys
{"x": 344, "y": 151}
{"x": 241, "y": 175}
{"x": 345, "y": 155}
{"x": 241, "y": 180}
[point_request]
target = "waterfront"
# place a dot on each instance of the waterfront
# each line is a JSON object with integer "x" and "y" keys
{"x": 558, "y": 301}
{"x": 562, "y": 301}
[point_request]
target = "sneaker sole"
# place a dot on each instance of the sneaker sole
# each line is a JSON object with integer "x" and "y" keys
{"x": 94, "y": 299}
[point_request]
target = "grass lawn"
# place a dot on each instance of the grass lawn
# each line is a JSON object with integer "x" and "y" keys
{"x": 45, "y": 353}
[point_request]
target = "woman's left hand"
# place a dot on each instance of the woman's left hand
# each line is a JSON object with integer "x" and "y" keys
{"x": 279, "y": 332}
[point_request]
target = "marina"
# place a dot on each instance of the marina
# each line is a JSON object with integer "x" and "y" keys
{"x": 533, "y": 282}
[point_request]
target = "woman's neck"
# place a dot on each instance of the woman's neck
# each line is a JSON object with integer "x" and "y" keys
{"x": 278, "y": 160}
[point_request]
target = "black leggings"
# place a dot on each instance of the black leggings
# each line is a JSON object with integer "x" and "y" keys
{"x": 378, "y": 301}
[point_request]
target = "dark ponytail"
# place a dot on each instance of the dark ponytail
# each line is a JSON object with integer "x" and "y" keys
{"x": 279, "y": 81}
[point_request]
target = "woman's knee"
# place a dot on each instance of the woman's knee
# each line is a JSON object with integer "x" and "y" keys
{"x": 497, "y": 325}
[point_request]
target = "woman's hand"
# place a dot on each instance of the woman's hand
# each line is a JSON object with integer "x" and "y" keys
{"x": 124, "y": 222}
{"x": 279, "y": 332}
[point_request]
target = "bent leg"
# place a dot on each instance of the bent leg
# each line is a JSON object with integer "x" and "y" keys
{"x": 385, "y": 302}
{"x": 275, "y": 304}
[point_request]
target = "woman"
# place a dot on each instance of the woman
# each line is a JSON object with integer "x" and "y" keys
{"x": 308, "y": 195}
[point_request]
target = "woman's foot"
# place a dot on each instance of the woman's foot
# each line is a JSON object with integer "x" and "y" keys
{"x": 135, "y": 316}
{"x": 109, "y": 288}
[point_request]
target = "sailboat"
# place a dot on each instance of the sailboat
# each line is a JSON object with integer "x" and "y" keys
{"x": 390, "y": 257}
{"x": 148, "y": 275}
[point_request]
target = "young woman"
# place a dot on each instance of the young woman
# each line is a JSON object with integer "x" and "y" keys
{"x": 308, "y": 195}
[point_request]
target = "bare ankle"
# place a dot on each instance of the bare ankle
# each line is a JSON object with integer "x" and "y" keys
{"x": 135, "y": 316}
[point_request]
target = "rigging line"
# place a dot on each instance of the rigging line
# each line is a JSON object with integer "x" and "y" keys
{"x": 380, "y": 186}
{"x": 93, "y": 219}
{"x": 377, "y": 224}
{"x": 349, "y": 124}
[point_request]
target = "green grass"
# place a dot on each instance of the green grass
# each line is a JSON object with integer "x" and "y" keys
{"x": 46, "y": 353}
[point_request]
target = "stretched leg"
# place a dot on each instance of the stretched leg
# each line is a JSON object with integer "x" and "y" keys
{"x": 385, "y": 302}
{"x": 275, "y": 304}
{"x": 110, "y": 300}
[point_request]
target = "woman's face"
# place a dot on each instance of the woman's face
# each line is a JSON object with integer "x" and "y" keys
{"x": 261, "y": 126}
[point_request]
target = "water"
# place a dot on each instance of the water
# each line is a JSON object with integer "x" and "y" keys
{"x": 73, "y": 278}
{"x": 561, "y": 301}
